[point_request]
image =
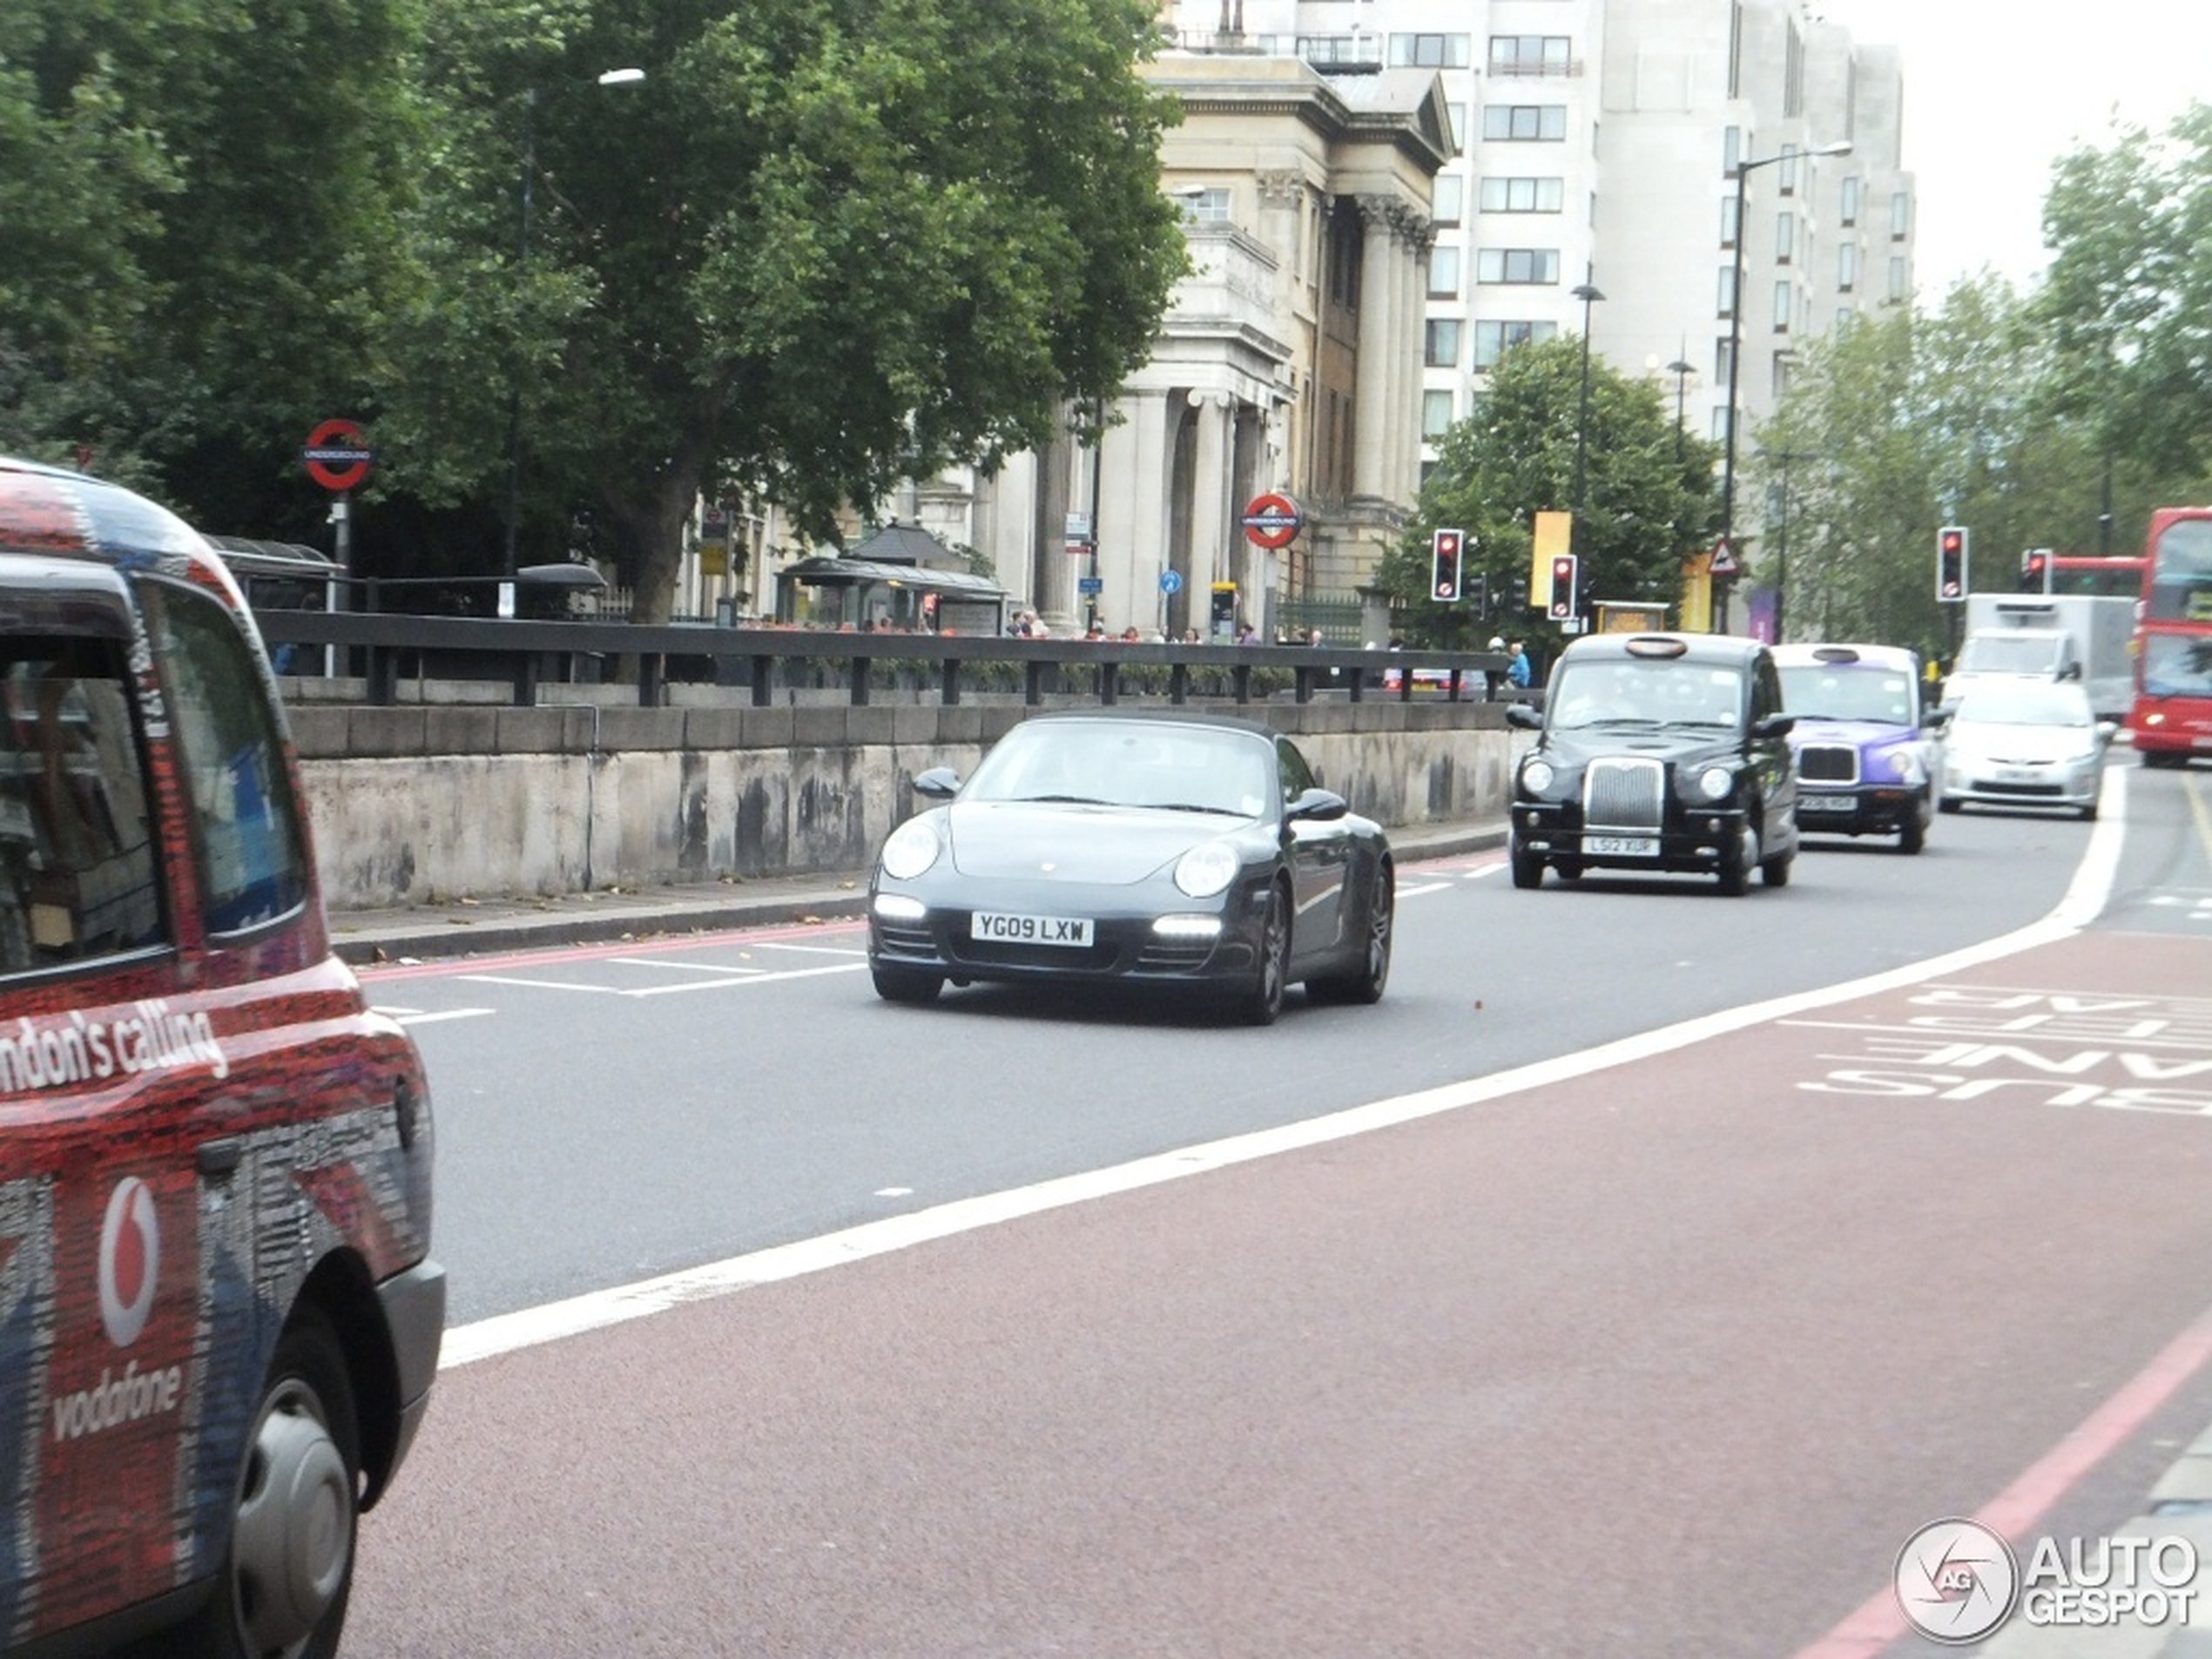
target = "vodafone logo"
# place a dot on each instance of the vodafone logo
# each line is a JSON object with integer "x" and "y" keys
{"x": 130, "y": 1260}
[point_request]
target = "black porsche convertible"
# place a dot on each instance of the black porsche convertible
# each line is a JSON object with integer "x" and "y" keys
{"x": 1103, "y": 847}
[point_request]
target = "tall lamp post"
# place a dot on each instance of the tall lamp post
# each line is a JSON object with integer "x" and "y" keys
{"x": 1781, "y": 542}
{"x": 1589, "y": 296}
{"x": 611, "y": 78}
{"x": 1681, "y": 369}
{"x": 1840, "y": 147}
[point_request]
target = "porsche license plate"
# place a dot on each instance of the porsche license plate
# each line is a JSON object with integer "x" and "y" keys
{"x": 1071, "y": 931}
{"x": 1621, "y": 846}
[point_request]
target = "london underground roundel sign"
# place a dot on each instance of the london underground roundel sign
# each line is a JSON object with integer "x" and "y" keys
{"x": 338, "y": 455}
{"x": 1271, "y": 520}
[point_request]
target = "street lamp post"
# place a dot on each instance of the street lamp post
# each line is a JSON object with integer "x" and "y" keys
{"x": 1682, "y": 371}
{"x": 611, "y": 78}
{"x": 1782, "y": 544}
{"x": 1589, "y": 296}
{"x": 1840, "y": 147}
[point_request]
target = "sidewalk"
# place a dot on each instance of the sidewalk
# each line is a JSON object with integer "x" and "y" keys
{"x": 472, "y": 927}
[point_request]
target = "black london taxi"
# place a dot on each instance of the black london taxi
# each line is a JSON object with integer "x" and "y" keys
{"x": 1660, "y": 753}
{"x": 221, "y": 1318}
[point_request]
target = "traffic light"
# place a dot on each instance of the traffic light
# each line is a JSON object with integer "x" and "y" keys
{"x": 1478, "y": 584}
{"x": 1951, "y": 565}
{"x": 1444, "y": 551}
{"x": 1562, "y": 601}
{"x": 2036, "y": 570}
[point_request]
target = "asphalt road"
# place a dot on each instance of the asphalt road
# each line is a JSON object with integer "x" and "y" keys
{"x": 1482, "y": 1321}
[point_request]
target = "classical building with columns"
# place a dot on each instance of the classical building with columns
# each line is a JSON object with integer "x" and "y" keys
{"x": 1289, "y": 362}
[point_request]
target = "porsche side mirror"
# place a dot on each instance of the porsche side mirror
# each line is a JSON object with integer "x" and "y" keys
{"x": 1316, "y": 805}
{"x": 939, "y": 783}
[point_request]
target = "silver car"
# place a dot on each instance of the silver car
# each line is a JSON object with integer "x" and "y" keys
{"x": 2026, "y": 743}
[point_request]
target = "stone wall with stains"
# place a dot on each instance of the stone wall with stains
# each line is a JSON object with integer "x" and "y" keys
{"x": 427, "y": 802}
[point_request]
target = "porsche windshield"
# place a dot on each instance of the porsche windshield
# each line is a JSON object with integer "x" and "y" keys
{"x": 1129, "y": 763}
{"x": 1635, "y": 691}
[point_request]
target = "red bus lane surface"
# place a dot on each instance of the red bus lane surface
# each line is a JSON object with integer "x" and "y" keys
{"x": 1661, "y": 1350}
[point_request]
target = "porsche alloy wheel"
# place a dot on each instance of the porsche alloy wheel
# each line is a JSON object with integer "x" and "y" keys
{"x": 1365, "y": 984}
{"x": 1264, "y": 1002}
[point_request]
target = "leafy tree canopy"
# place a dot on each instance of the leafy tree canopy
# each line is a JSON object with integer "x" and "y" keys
{"x": 824, "y": 246}
{"x": 1646, "y": 487}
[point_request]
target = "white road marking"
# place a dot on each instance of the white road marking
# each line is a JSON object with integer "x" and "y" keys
{"x": 596, "y": 1310}
{"x": 422, "y": 1017}
{"x": 1425, "y": 886}
{"x": 726, "y": 979}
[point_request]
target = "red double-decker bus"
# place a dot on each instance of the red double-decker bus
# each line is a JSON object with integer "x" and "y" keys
{"x": 2172, "y": 718}
{"x": 2099, "y": 577}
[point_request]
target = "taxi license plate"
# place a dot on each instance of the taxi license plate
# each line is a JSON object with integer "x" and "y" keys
{"x": 1073, "y": 931}
{"x": 1621, "y": 846}
{"x": 1826, "y": 803}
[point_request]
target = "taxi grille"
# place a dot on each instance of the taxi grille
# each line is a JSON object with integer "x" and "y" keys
{"x": 1828, "y": 763}
{"x": 1624, "y": 795}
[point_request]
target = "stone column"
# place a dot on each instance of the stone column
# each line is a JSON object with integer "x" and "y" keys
{"x": 1212, "y": 511}
{"x": 1378, "y": 330}
{"x": 1054, "y": 585}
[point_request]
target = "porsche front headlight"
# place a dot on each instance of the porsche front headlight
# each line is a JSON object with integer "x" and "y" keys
{"x": 1206, "y": 869}
{"x": 1715, "y": 782}
{"x": 913, "y": 848}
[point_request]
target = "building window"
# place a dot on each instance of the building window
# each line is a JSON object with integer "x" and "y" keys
{"x": 1847, "y": 266}
{"x": 1785, "y": 237}
{"x": 1784, "y": 293}
{"x": 1525, "y": 123}
{"x": 1728, "y": 221}
{"x": 1731, "y": 150}
{"x": 1209, "y": 206}
{"x": 1785, "y": 370}
{"x": 1723, "y": 353}
{"x": 1848, "y": 205}
{"x": 1430, "y": 52}
{"x": 1727, "y": 306}
{"x": 1900, "y": 216}
{"x": 1786, "y": 172}
{"x": 1517, "y": 265}
{"x": 1529, "y": 55}
{"x": 1457, "y": 113}
{"x": 1436, "y": 414}
{"x": 1720, "y": 426}
{"x": 1523, "y": 195}
{"x": 1339, "y": 49}
{"x": 1493, "y": 339}
{"x": 1442, "y": 344}
{"x": 1443, "y": 273}
{"x": 1451, "y": 196}
{"x": 1898, "y": 294}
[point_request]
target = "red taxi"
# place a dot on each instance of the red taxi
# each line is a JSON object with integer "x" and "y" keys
{"x": 219, "y": 1316}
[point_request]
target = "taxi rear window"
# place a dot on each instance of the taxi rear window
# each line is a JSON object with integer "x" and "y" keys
{"x": 78, "y": 876}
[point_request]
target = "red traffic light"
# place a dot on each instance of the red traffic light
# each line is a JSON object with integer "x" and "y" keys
{"x": 1443, "y": 581}
{"x": 1562, "y": 599}
{"x": 1951, "y": 563}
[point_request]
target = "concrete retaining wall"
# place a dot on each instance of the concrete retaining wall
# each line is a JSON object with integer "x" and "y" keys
{"x": 426, "y": 803}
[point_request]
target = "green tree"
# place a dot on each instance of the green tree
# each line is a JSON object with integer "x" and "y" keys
{"x": 826, "y": 244}
{"x": 1898, "y": 425}
{"x": 198, "y": 200}
{"x": 1648, "y": 488}
{"x": 2128, "y": 297}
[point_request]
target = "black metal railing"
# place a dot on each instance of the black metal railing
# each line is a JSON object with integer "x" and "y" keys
{"x": 385, "y": 649}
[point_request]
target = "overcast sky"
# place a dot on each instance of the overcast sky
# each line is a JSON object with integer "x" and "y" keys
{"x": 1994, "y": 90}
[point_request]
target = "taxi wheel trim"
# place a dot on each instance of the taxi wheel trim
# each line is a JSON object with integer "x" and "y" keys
{"x": 289, "y": 1568}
